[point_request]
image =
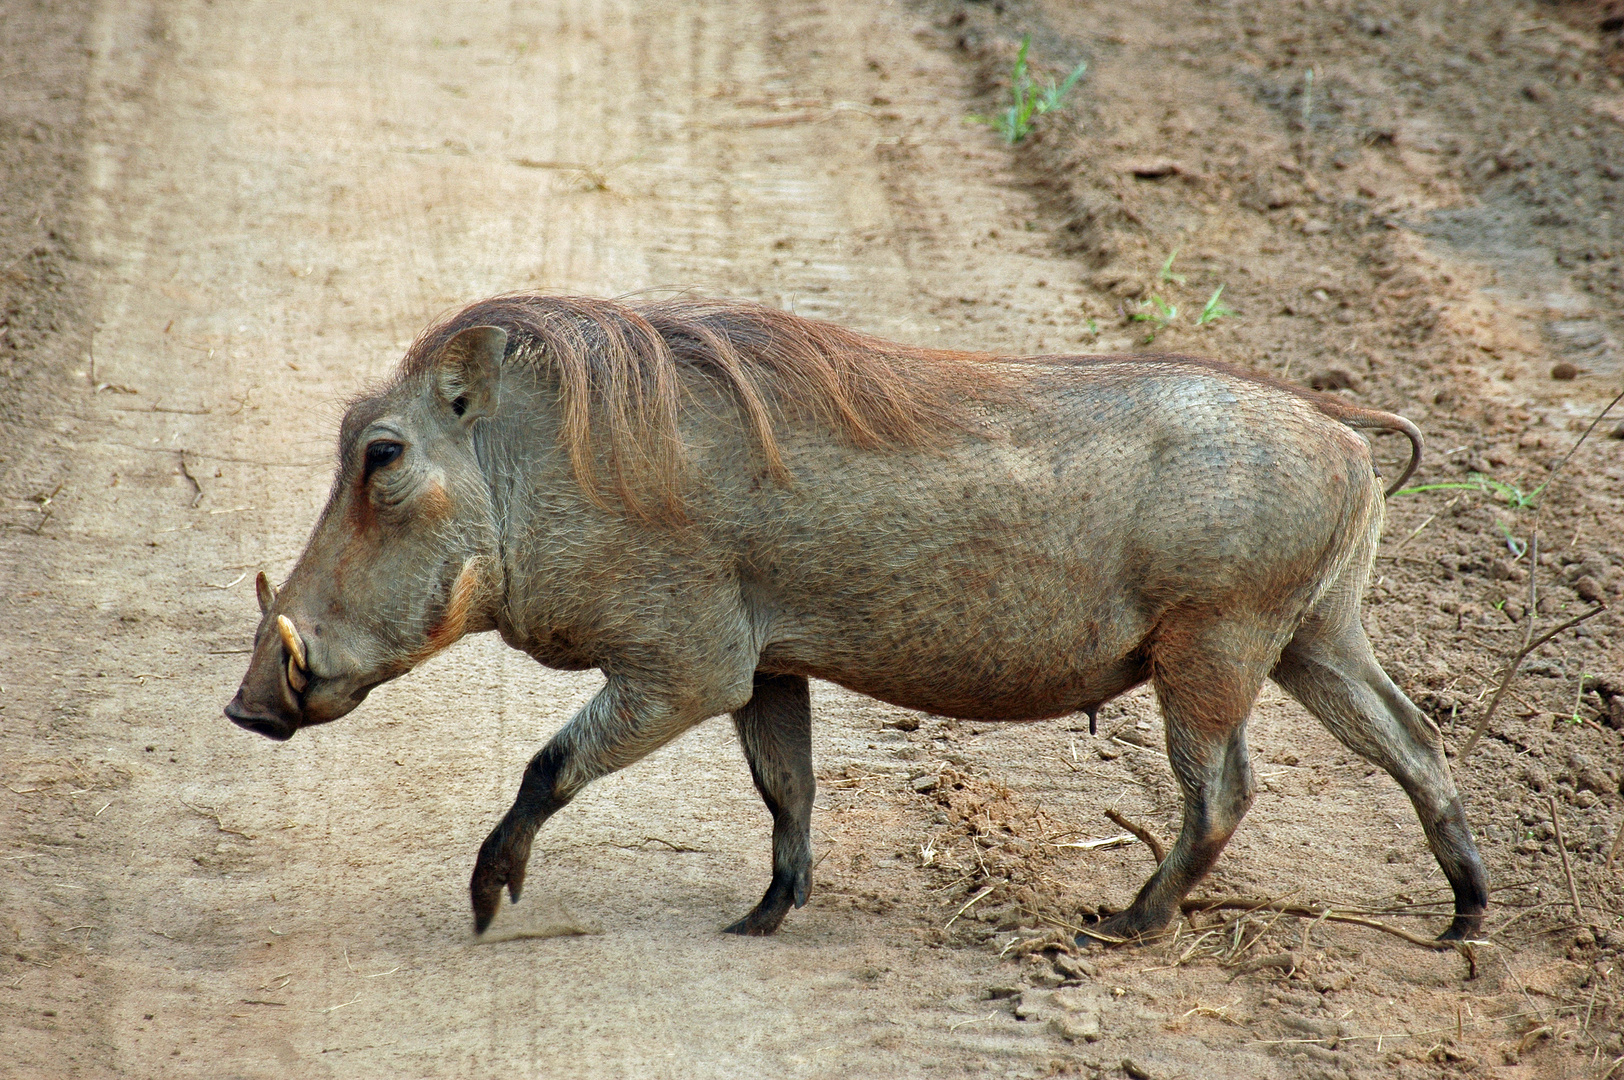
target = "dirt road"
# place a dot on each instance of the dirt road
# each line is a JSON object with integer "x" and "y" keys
{"x": 280, "y": 197}
{"x": 274, "y": 199}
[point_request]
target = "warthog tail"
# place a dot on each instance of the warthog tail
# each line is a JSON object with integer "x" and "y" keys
{"x": 1357, "y": 416}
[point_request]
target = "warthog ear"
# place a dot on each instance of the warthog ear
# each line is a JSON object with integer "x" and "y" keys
{"x": 468, "y": 369}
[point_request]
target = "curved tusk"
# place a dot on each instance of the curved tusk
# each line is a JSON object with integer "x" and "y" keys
{"x": 265, "y": 591}
{"x": 296, "y": 677}
{"x": 291, "y": 642}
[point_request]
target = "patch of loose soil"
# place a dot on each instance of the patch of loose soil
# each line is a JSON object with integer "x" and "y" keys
{"x": 258, "y": 206}
{"x": 42, "y": 332}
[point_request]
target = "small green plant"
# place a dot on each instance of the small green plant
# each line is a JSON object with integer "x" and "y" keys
{"x": 1517, "y": 547}
{"x": 1166, "y": 275}
{"x": 1158, "y": 312}
{"x": 1093, "y": 326}
{"x": 1028, "y": 100}
{"x": 1578, "y": 700}
{"x": 1214, "y": 309}
{"x": 1514, "y": 497}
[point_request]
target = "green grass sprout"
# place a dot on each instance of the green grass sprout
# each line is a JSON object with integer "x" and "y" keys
{"x": 1214, "y": 309}
{"x": 1514, "y": 497}
{"x": 1158, "y": 312}
{"x": 1028, "y": 100}
{"x": 1166, "y": 273}
{"x": 1517, "y": 547}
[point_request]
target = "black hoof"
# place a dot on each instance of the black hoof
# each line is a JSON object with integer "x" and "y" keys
{"x": 760, "y": 922}
{"x": 1123, "y": 928}
{"x": 1463, "y": 928}
{"x": 787, "y": 890}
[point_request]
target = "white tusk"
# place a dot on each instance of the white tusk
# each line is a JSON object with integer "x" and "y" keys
{"x": 265, "y": 591}
{"x": 291, "y": 642}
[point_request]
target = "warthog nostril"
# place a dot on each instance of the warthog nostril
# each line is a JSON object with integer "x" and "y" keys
{"x": 272, "y": 727}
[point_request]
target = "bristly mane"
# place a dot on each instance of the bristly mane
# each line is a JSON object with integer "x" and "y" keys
{"x": 624, "y": 365}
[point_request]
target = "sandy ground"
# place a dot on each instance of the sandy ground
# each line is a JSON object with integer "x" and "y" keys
{"x": 222, "y": 219}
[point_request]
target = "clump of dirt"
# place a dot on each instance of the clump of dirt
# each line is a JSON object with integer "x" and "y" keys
{"x": 1000, "y": 845}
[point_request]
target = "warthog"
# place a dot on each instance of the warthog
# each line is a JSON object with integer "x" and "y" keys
{"x": 714, "y": 502}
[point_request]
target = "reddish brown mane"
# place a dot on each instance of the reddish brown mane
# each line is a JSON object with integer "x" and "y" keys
{"x": 623, "y": 368}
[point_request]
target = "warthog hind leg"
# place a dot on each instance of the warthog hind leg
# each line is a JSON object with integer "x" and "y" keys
{"x": 775, "y": 728}
{"x": 1206, "y": 680}
{"x": 1329, "y": 667}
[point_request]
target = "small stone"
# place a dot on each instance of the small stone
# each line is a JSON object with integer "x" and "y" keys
{"x": 1590, "y": 590}
{"x": 1074, "y": 967}
{"x": 1033, "y": 1003}
{"x": 1135, "y": 1070}
{"x": 924, "y": 784}
{"x": 1564, "y": 372}
{"x": 1077, "y": 1027}
{"x": 999, "y": 993}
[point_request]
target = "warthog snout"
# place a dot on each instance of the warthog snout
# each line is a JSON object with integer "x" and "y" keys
{"x": 288, "y": 686}
{"x": 268, "y": 701}
{"x": 272, "y": 727}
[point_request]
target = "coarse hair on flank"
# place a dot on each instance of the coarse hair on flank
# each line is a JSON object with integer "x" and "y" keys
{"x": 626, "y": 368}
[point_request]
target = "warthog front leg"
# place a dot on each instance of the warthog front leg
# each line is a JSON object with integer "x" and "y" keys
{"x": 506, "y": 851}
{"x": 775, "y": 728}
{"x": 619, "y": 726}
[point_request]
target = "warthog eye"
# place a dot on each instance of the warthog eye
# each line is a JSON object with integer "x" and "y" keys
{"x": 381, "y": 454}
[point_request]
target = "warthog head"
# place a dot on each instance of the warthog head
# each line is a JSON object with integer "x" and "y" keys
{"x": 402, "y": 562}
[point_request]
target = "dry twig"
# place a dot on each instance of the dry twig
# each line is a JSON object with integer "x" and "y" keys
{"x": 1146, "y": 837}
{"x": 976, "y": 899}
{"x": 1516, "y": 662}
{"x": 1326, "y": 914}
{"x": 1562, "y": 850}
